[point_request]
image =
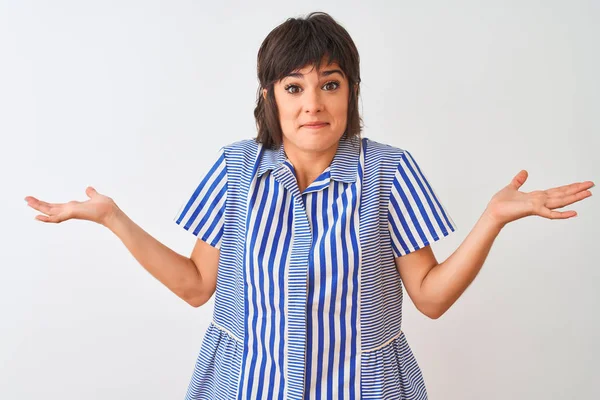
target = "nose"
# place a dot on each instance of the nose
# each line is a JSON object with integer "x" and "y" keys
{"x": 313, "y": 102}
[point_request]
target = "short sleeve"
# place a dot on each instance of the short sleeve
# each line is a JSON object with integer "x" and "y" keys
{"x": 203, "y": 212}
{"x": 416, "y": 216}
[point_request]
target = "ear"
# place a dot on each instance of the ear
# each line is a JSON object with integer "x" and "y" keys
{"x": 264, "y": 93}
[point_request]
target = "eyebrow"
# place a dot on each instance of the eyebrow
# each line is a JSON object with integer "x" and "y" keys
{"x": 324, "y": 73}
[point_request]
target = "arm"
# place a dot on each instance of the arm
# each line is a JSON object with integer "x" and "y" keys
{"x": 434, "y": 287}
{"x": 192, "y": 279}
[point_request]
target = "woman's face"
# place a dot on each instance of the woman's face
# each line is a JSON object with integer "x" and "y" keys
{"x": 306, "y": 97}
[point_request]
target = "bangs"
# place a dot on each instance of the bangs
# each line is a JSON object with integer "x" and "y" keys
{"x": 304, "y": 44}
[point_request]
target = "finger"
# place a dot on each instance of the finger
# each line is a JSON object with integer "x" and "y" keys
{"x": 33, "y": 200}
{"x": 546, "y": 213}
{"x": 569, "y": 189}
{"x": 558, "y": 202}
{"x": 44, "y": 218}
{"x": 90, "y": 192}
{"x": 41, "y": 206}
{"x": 564, "y": 190}
{"x": 519, "y": 179}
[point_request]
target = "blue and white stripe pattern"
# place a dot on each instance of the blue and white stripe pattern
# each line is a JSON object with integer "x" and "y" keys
{"x": 203, "y": 212}
{"x": 308, "y": 302}
{"x": 416, "y": 216}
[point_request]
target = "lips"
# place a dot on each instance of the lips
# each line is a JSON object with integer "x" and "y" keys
{"x": 315, "y": 124}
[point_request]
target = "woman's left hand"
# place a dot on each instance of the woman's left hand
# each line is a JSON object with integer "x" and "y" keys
{"x": 509, "y": 204}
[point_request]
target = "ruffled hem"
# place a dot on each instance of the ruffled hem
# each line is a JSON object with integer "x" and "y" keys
{"x": 388, "y": 372}
{"x": 217, "y": 367}
{"x": 392, "y": 372}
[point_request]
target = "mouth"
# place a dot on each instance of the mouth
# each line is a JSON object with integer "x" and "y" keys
{"x": 315, "y": 126}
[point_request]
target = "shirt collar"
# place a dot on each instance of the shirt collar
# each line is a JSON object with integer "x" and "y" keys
{"x": 343, "y": 168}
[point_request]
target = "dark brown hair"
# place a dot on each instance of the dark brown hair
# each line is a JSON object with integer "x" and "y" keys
{"x": 296, "y": 43}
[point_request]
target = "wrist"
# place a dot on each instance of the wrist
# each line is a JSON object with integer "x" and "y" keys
{"x": 112, "y": 217}
{"x": 490, "y": 220}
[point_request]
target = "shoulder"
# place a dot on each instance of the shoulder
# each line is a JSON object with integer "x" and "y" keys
{"x": 240, "y": 154}
{"x": 380, "y": 155}
{"x": 240, "y": 148}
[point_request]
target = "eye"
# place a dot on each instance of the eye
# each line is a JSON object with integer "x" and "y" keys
{"x": 295, "y": 89}
{"x": 335, "y": 84}
{"x": 288, "y": 87}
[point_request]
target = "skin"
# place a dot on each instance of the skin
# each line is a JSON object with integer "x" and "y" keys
{"x": 434, "y": 287}
{"x": 309, "y": 95}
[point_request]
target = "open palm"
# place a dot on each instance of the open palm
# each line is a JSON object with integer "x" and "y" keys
{"x": 97, "y": 209}
{"x": 509, "y": 204}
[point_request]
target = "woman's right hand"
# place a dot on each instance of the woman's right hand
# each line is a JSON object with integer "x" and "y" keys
{"x": 98, "y": 208}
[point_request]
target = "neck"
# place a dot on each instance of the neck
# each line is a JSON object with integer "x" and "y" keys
{"x": 308, "y": 165}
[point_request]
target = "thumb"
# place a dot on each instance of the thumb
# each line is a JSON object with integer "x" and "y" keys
{"x": 90, "y": 191}
{"x": 519, "y": 179}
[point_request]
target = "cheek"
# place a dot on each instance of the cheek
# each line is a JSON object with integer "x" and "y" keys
{"x": 340, "y": 111}
{"x": 287, "y": 119}
{"x": 285, "y": 108}
{"x": 287, "y": 112}
{"x": 340, "y": 107}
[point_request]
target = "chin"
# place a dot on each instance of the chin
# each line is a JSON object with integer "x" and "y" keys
{"x": 317, "y": 142}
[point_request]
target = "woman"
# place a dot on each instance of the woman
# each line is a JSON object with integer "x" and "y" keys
{"x": 313, "y": 232}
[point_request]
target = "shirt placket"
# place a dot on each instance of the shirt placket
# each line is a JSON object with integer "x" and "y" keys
{"x": 297, "y": 286}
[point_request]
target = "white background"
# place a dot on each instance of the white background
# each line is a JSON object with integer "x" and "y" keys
{"x": 136, "y": 98}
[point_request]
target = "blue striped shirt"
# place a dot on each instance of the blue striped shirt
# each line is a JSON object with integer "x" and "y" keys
{"x": 308, "y": 302}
